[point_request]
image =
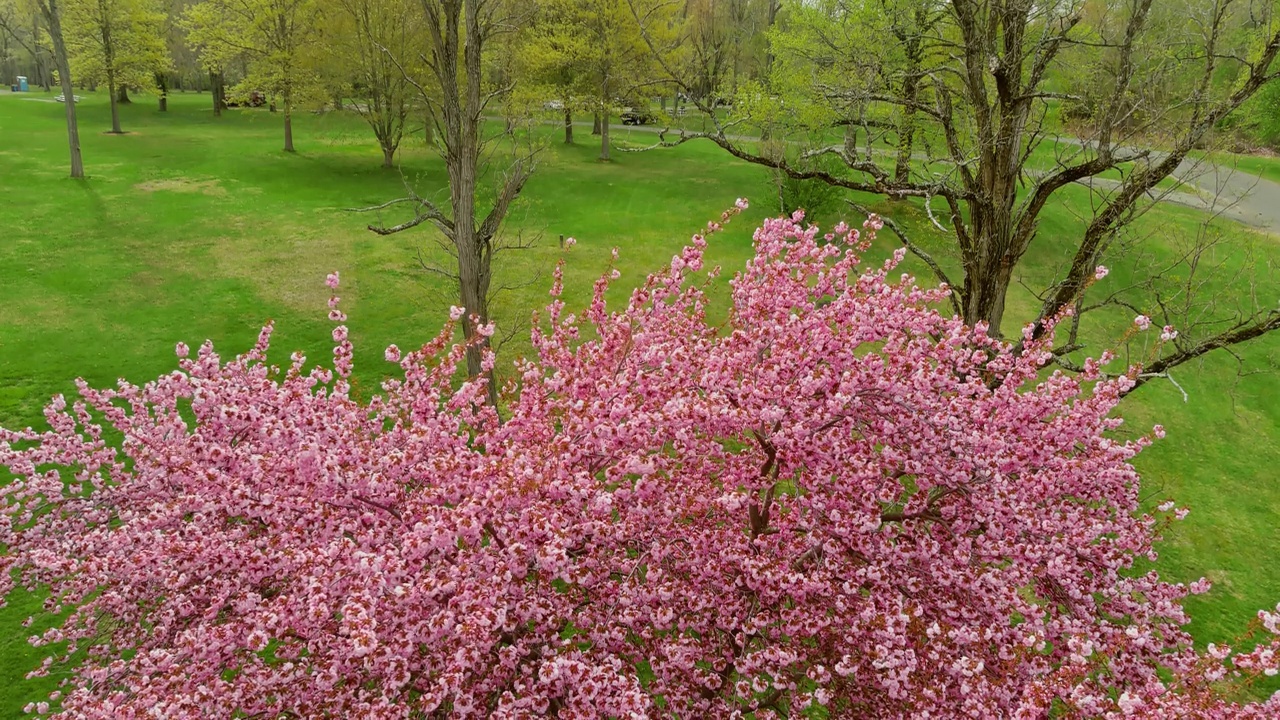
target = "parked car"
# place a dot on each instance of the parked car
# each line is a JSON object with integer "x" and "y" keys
{"x": 636, "y": 116}
{"x": 255, "y": 98}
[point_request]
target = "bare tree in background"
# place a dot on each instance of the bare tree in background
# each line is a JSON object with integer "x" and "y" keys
{"x": 53, "y": 21}
{"x": 457, "y": 92}
{"x": 370, "y": 35}
{"x": 976, "y": 89}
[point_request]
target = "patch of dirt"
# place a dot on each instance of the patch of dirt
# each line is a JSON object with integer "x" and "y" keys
{"x": 185, "y": 185}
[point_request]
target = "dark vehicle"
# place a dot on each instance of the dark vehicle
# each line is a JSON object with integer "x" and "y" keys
{"x": 636, "y": 116}
{"x": 253, "y": 99}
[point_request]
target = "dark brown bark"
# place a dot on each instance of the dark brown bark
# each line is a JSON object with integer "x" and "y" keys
{"x": 115, "y": 104}
{"x": 906, "y": 130}
{"x": 388, "y": 156}
{"x": 288, "y": 121}
{"x": 122, "y": 95}
{"x": 595, "y": 124}
{"x": 216, "y": 90}
{"x": 568, "y": 126}
{"x": 604, "y": 136}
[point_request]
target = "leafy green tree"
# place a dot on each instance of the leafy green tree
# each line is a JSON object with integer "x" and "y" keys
{"x": 277, "y": 39}
{"x": 117, "y": 42}
{"x": 374, "y": 52}
{"x": 596, "y": 47}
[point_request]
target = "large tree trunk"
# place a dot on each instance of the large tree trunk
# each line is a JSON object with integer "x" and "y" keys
{"x": 288, "y": 121}
{"x": 163, "y": 84}
{"x": 109, "y": 58}
{"x": 388, "y": 155}
{"x": 115, "y": 104}
{"x": 595, "y": 125}
{"x": 215, "y": 89}
{"x": 984, "y": 294}
{"x": 52, "y": 19}
{"x": 123, "y": 95}
{"x": 604, "y": 136}
{"x": 568, "y": 126}
{"x": 989, "y": 269}
{"x": 906, "y": 130}
{"x": 473, "y": 259}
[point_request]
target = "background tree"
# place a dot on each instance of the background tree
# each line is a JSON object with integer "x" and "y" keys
{"x": 600, "y": 41}
{"x": 118, "y": 42}
{"x": 51, "y": 11}
{"x": 274, "y": 36}
{"x": 460, "y": 38}
{"x": 973, "y": 80}
{"x": 377, "y": 43}
{"x": 20, "y": 50}
{"x": 554, "y": 58}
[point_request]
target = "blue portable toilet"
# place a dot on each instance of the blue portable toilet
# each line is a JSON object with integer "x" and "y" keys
{"x": 22, "y": 84}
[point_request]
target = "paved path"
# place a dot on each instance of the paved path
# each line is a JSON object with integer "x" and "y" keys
{"x": 1214, "y": 188}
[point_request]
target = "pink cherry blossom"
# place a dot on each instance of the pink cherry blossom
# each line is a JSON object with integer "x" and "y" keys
{"x": 1100, "y": 272}
{"x": 832, "y": 500}
{"x": 1168, "y": 333}
{"x": 1142, "y": 321}
{"x": 332, "y": 280}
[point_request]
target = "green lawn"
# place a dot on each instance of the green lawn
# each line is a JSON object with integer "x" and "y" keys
{"x": 194, "y": 227}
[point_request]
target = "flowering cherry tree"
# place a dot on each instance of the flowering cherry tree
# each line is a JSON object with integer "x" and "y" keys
{"x": 838, "y": 498}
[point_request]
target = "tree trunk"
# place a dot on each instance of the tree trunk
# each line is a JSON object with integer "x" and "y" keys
{"x": 115, "y": 104}
{"x": 428, "y": 130}
{"x": 984, "y": 295}
{"x": 473, "y": 265}
{"x": 52, "y": 19}
{"x": 163, "y": 84}
{"x": 288, "y": 121}
{"x": 568, "y": 126}
{"x": 907, "y": 123}
{"x": 595, "y": 125}
{"x": 215, "y": 89}
{"x": 123, "y": 97}
{"x": 604, "y": 136}
{"x": 388, "y": 155}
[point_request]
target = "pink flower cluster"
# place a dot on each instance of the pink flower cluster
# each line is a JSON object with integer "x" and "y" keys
{"x": 837, "y": 498}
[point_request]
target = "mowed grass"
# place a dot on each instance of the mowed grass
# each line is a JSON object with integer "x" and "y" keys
{"x": 193, "y": 227}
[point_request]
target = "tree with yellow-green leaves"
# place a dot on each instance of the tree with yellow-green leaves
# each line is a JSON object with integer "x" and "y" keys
{"x": 595, "y": 48}
{"x": 373, "y": 53}
{"x": 277, "y": 39}
{"x": 117, "y": 42}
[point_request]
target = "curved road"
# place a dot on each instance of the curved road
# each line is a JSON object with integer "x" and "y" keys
{"x": 1214, "y": 188}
